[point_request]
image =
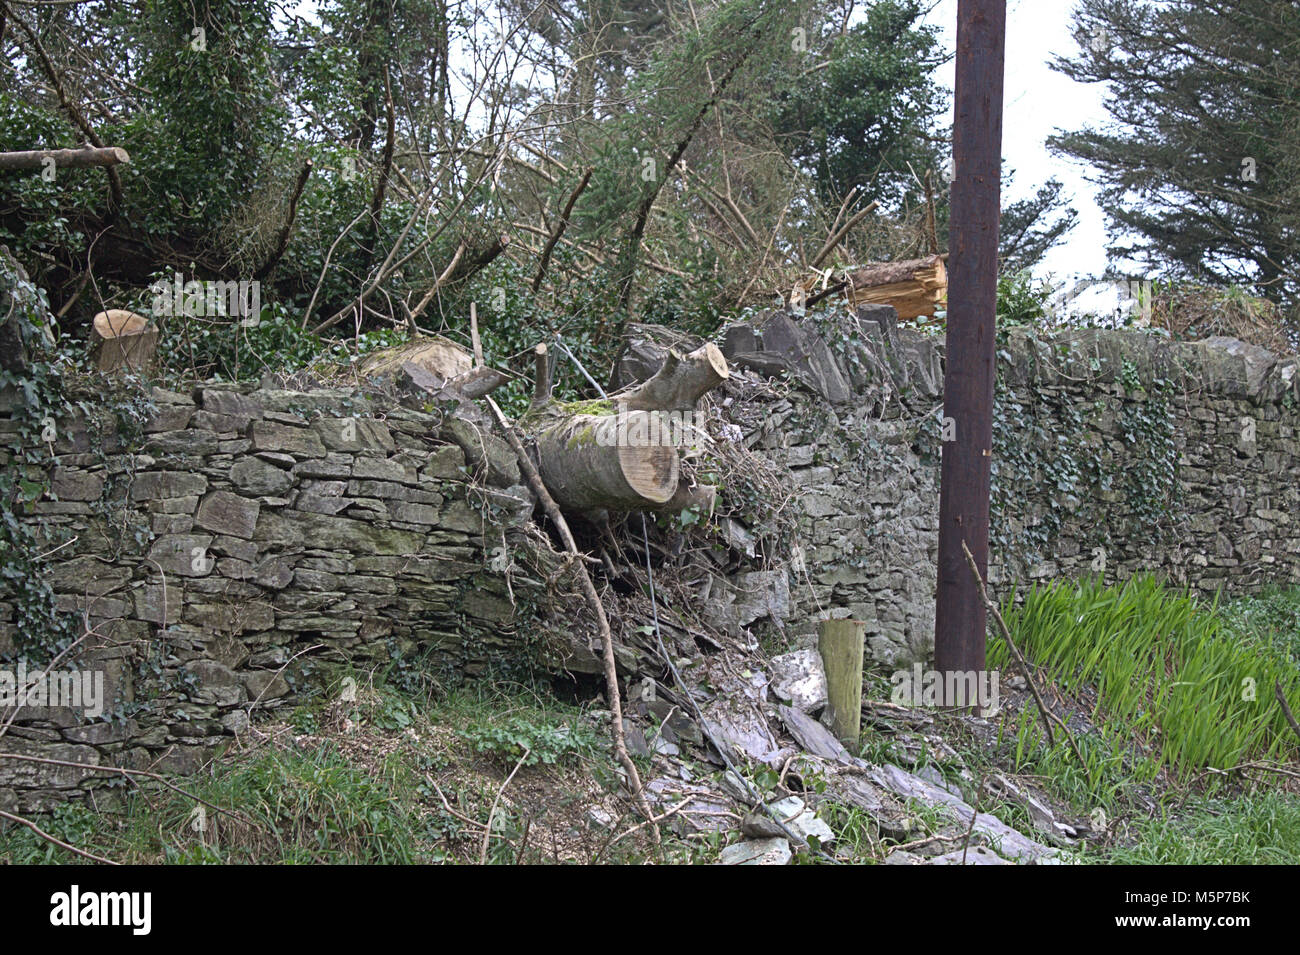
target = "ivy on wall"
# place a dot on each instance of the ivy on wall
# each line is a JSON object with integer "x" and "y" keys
{"x": 43, "y": 392}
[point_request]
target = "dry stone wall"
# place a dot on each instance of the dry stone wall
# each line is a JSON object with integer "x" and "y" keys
{"x": 1115, "y": 452}
{"x": 241, "y": 536}
{"x": 245, "y": 529}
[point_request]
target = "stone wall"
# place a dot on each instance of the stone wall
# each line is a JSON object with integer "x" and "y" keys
{"x": 240, "y": 537}
{"x": 1115, "y": 452}
{"x": 244, "y": 529}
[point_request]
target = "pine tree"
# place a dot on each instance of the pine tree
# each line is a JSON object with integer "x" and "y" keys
{"x": 1197, "y": 168}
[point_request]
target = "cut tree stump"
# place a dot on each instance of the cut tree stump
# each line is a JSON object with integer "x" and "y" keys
{"x": 916, "y": 287}
{"x": 629, "y": 458}
{"x": 123, "y": 341}
{"x": 435, "y": 354}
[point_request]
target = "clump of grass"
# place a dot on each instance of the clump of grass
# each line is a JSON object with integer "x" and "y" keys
{"x": 1257, "y": 829}
{"x": 294, "y": 806}
{"x": 1170, "y": 676}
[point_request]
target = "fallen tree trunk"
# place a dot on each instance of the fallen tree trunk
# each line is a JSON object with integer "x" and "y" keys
{"x": 64, "y": 158}
{"x": 620, "y": 462}
{"x": 619, "y": 454}
{"x": 915, "y": 287}
{"x": 628, "y": 457}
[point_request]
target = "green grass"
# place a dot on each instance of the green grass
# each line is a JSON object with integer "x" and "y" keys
{"x": 1258, "y": 829}
{"x": 1178, "y": 687}
{"x": 294, "y": 806}
{"x": 307, "y": 802}
{"x": 1270, "y": 620}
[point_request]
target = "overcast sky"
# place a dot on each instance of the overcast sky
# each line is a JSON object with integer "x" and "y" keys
{"x": 1038, "y": 101}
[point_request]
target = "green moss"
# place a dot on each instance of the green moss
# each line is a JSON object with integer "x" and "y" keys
{"x": 597, "y": 406}
{"x": 584, "y": 438}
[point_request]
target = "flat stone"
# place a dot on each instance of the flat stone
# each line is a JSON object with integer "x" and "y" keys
{"x": 801, "y": 820}
{"x": 152, "y": 485}
{"x": 259, "y": 477}
{"x": 385, "y": 469}
{"x": 757, "y": 852}
{"x": 191, "y": 441}
{"x": 354, "y": 434}
{"x": 230, "y": 403}
{"x": 184, "y": 555}
{"x": 812, "y": 736}
{"x": 445, "y": 463}
{"x": 971, "y": 855}
{"x": 275, "y": 436}
{"x": 67, "y": 485}
{"x": 224, "y": 513}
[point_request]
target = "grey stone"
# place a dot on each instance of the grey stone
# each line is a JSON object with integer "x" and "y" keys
{"x": 68, "y": 485}
{"x": 152, "y": 485}
{"x": 799, "y": 678}
{"x": 275, "y": 436}
{"x": 224, "y": 513}
{"x": 757, "y": 852}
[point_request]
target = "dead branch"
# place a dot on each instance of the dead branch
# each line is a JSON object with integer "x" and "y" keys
{"x": 1286, "y": 709}
{"x": 84, "y": 158}
{"x": 282, "y": 243}
{"x": 597, "y": 609}
{"x": 560, "y": 226}
{"x": 837, "y": 237}
{"x": 438, "y": 283}
{"x": 56, "y": 841}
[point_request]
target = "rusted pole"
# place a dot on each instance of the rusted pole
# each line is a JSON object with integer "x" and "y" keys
{"x": 960, "y": 620}
{"x": 64, "y": 158}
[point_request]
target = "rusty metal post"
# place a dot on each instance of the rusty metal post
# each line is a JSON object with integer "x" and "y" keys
{"x": 960, "y": 621}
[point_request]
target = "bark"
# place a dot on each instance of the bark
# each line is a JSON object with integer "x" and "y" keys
{"x": 64, "y": 158}
{"x": 618, "y": 462}
{"x": 630, "y": 458}
{"x": 680, "y": 382}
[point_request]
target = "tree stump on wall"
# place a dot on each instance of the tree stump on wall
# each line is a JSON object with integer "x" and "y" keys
{"x": 123, "y": 341}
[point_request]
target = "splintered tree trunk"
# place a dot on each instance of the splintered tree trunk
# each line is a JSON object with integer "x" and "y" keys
{"x": 915, "y": 287}
{"x": 680, "y": 382}
{"x": 123, "y": 341}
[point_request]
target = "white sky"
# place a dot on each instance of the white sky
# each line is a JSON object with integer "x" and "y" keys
{"x": 1037, "y": 102}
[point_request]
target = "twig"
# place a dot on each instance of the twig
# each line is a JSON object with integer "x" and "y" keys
{"x": 837, "y": 237}
{"x": 487, "y": 832}
{"x": 1286, "y": 708}
{"x": 441, "y": 280}
{"x": 598, "y": 610}
{"x": 559, "y": 229}
{"x": 282, "y": 243}
{"x": 58, "y": 842}
{"x": 975, "y": 813}
{"x": 1048, "y": 716}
